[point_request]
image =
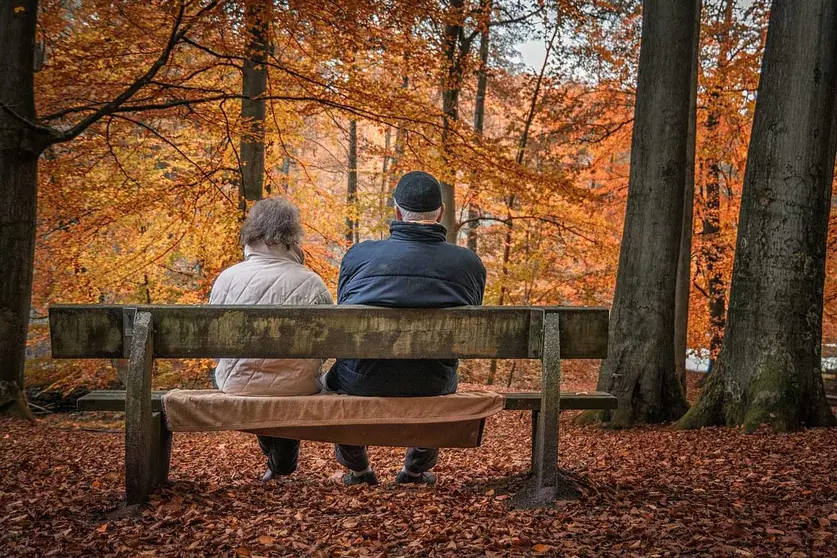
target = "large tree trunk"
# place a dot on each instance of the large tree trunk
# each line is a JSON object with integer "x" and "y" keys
{"x": 454, "y": 57}
{"x": 768, "y": 371}
{"x": 684, "y": 262}
{"x": 351, "y": 187}
{"x": 19, "y": 152}
{"x": 254, "y": 86}
{"x": 712, "y": 247}
{"x": 640, "y": 368}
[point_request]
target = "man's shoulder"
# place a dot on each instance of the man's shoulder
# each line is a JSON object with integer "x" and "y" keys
{"x": 362, "y": 250}
{"x": 465, "y": 256}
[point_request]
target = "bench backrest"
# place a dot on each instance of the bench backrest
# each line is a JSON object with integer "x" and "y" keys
{"x": 213, "y": 331}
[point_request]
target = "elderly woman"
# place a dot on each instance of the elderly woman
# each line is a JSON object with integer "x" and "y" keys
{"x": 272, "y": 273}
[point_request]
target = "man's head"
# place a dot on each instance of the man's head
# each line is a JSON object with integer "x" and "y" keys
{"x": 274, "y": 222}
{"x": 418, "y": 198}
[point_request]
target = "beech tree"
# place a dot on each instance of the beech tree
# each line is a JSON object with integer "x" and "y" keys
{"x": 768, "y": 370}
{"x": 640, "y": 368}
{"x": 254, "y": 86}
{"x": 22, "y": 141}
{"x": 684, "y": 262}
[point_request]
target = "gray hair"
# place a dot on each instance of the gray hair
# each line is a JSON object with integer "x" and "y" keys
{"x": 418, "y": 215}
{"x": 272, "y": 221}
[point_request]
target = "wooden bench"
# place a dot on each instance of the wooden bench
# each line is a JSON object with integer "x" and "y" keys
{"x": 143, "y": 333}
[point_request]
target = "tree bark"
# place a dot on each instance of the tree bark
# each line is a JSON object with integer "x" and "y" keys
{"x": 684, "y": 262}
{"x": 351, "y": 187}
{"x": 712, "y": 248}
{"x": 640, "y": 368}
{"x": 454, "y": 52}
{"x": 254, "y": 86}
{"x": 19, "y": 151}
{"x": 768, "y": 371}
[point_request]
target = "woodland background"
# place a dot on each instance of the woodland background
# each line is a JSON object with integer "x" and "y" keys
{"x": 145, "y": 206}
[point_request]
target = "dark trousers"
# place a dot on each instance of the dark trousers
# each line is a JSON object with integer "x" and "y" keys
{"x": 417, "y": 460}
{"x": 282, "y": 454}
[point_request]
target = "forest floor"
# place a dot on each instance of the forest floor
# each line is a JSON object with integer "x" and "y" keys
{"x": 645, "y": 492}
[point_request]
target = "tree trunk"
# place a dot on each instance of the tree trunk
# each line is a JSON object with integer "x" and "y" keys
{"x": 351, "y": 187}
{"x": 286, "y": 173}
{"x": 254, "y": 86}
{"x": 19, "y": 152}
{"x": 385, "y": 178}
{"x": 768, "y": 371}
{"x": 684, "y": 262}
{"x": 454, "y": 57}
{"x": 479, "y": 112}
{"x": 640, "y": 368}
{"x": 712, "y": 248}
{"x": 396, "y": 160}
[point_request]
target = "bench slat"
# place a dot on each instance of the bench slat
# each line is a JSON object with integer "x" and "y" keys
{"x": 212, "y": 331}
{"x": 114, "y": 400}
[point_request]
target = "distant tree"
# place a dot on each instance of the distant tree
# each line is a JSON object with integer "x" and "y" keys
{"x": 351, "y": 186}
{"x": 768, "y": 371}
{"x": 640, "y": 368}
{"x": 254, "y": 86}
{"x": 684, "y": 262}
{"x": 712, "y": 245}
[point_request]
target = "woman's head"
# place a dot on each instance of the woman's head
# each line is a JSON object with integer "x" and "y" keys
{"x": 272, "y": 221}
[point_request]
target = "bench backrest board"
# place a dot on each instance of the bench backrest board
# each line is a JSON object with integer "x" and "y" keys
{"x": 213, "y": 331}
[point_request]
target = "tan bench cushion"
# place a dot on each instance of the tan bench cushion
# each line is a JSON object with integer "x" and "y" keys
{"x": 444, "y": 421}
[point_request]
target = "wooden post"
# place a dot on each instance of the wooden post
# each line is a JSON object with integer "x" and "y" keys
{"x": 139, "y": 432}
{"x": 546, "y": 446}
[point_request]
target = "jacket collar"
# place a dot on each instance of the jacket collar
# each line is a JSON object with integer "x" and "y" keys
{"x": 277, "y": 252}
{"x": 417, "y": 232}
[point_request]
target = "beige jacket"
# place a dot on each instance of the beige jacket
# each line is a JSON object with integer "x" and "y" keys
{"x": 269, "y": 275}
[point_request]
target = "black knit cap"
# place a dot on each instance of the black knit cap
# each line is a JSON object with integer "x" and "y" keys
{"x": 419, "y": 192}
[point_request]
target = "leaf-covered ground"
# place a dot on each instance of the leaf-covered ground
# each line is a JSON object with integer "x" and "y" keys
{"x": 649, "y": 491}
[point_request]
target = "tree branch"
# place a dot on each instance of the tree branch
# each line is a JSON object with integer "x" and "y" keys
{"x": 177, "y": 34}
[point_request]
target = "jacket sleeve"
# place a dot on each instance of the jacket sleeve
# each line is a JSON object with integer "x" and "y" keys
{"x": 479, "y": 279}
{"x": 323, "y": 295}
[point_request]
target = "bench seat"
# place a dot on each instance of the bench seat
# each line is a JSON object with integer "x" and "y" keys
{"x": 114, "y": 401}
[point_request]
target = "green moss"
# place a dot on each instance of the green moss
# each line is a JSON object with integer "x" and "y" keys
{"x": 772, "y": 397}
{"x": 709, "y": 408}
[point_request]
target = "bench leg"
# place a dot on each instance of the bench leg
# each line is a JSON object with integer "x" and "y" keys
{"x": 536, "y": 417}
{"x": 140, "y": 432}
{"x": 161, "y": 451}
{"x": 542, "y": 489}
{"x": 546, "y": 446}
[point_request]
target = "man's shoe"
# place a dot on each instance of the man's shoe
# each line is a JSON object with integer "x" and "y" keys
{"x": 270, "y": 475}
{"x": 426, "y": 478}
{"x": 351, "y": 479}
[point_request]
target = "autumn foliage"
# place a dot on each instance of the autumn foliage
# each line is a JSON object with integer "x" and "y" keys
{"x": 144, "y": 206}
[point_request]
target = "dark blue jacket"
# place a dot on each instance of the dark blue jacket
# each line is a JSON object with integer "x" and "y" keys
{"x": 413, "y": 268}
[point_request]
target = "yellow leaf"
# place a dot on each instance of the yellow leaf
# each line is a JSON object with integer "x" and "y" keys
{"x": 19, "y": 9}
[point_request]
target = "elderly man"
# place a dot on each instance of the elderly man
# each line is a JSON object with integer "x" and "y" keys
{"x": 413, "y": 268}
{"x": 273, "y": 272}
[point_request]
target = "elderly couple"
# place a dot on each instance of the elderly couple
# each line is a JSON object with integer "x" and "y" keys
{"x": 414, "y": 267}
